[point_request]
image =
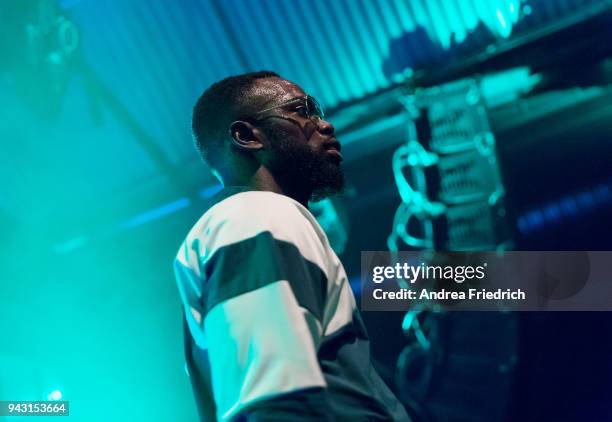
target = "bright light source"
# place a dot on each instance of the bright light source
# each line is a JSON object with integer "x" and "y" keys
{"x": 501, "y": 18}
{"x": 55, "y": 395}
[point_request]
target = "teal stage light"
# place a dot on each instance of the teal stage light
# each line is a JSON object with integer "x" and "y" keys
{"x": 55, "y": 395}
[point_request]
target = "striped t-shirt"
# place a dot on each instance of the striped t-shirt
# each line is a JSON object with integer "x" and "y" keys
{"x": 272, "y": 329}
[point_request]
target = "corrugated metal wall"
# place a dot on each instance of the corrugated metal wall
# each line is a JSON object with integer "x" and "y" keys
{"x": 159, "y": 55}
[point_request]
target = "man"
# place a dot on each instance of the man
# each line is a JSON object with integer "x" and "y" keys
{"x": 272, "y": 329}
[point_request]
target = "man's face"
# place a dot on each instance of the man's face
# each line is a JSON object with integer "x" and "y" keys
{"x": 301, "y": 152}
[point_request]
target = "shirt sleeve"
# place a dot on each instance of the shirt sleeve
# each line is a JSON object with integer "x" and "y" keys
{"x": 263, "y": 296}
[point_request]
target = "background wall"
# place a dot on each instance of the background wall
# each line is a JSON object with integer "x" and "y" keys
{"x": 100, "y": 180}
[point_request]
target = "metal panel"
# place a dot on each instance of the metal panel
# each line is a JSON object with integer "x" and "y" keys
{"x": 158, "y": 55}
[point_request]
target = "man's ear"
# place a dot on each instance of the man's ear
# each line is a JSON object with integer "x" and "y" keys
{"x": 245, "y": 136}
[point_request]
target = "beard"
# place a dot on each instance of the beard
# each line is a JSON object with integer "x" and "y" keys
{"x": 298, "y": 167}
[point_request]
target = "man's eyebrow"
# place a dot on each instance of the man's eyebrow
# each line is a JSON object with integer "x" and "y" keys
{"x": 286, "y": 103}
{"x": 292, "y": 101}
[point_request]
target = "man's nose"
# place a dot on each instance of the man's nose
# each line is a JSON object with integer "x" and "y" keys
{"x": 325, "y": 127}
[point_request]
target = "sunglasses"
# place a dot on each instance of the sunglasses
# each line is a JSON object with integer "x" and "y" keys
{"x": 305, "y": 106}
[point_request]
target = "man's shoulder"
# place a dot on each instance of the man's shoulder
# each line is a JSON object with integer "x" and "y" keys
{"x": 253, "y": 208}
{"x": 246, "y": 214}
{"x": 257, "y": 201}
{"x": 247, "y": 217}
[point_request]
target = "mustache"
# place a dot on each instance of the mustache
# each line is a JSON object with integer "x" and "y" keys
{"x": 332, "y": 143}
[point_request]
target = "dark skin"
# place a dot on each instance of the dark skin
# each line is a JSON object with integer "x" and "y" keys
{"x": 254, "y": 166}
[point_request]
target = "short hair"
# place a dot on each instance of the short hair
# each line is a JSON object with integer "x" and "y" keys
{"x": 222, "y": 103}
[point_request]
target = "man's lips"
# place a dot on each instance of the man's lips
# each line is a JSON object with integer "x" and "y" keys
{"x": 335, "y": 153}
{"x": 333, "y": 148}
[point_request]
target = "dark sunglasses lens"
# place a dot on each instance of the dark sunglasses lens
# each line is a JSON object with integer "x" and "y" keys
{"x": 314, "y": 108}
